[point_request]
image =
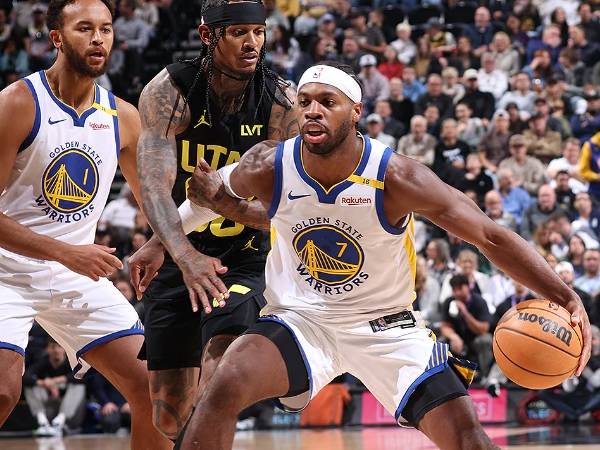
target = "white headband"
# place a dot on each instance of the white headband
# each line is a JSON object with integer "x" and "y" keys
{"x": 333, "y": 77}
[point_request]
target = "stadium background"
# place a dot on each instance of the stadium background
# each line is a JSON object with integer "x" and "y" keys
{"x": 501, "y": 99}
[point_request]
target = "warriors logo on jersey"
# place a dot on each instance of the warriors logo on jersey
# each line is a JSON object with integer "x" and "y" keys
{"x": 331, "y": 256}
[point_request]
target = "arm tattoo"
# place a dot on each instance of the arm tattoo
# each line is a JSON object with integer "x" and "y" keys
{"x": 247, "y": 212}
{"x": 283, "y": 123}
{"x": 163, "y": 116}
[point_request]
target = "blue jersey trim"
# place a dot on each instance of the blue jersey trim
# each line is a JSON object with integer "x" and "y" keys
{"x": 277, "y": 180}
{"x": 36, "y": 122}
{"x": 306, "y": 363}
{"x": 411, "y": 389}
{"x": 387, "y": 154}
{"x": 78, "y": 121}
{"x": 135, "y": 329}
{"x": 323, "y": 195}
{"x": 113, "y": 104}
{"x": 13, "y": 347}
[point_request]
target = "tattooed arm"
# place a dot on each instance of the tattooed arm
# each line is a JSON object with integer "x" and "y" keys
{"x": 163, "y": 116}
{"x": 284, "y": 123}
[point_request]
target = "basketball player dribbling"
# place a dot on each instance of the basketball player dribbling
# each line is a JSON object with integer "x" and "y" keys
{"x": 340, "y": 277}
{"x": 62, "y": 138}
{"x": 216, "y": 106}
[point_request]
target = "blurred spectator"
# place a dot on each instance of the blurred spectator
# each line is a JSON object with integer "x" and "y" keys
{"x": 450, "y": 154}
{"x": 413, "y": 88}
{"x": 586, "y": 216}
{"x": 540, "y": 68}
{"x": 425, "y": 62}
{"x": 588, "y": 52}
{"x": 22, "y": 12}
{"x": 493, "y": 146}
{"x": 427, "y": 289}
{"x": 516, "y": 123}
{"x": 132, "y": 36}
{"x": 528, "y": 172}
{"x": 541, "y": 108}
{"x": 514, "y": 199}
{"x": 541, "y": 141}
{"x": 391, "y": 126}
{"x": 550, "y": 43}
{"x": 405, "y": 48}
{"x": 586, "y": 121}
{"x": 369, "y": 36}
{"x": 575, "y": 253}
{"x": 435, "y": 96}
{"x": 506, "y": 57}
{"x": 283, "y": 53}
{"x": 374, "y": 85}
{"x": 351, "y": 54}
{"x": 589, "y": 282}
{"x": 539, "y": 211}
{"x": 555, "y": 93}
{"x": 568, "y": 162}
{"x": 450, "y": 85}
{"x": 481, "y": 32}
{"x": 328, "y": 31}
{"x": 304, "y": 25}
{"x": 566, "y": 272}
{"x": 475, "y": 179}
{"x": 14, "y": 62}
{"x": 442, "y": 43}
{"x": 402, "y": 107}
{"x": 5, "y": 27}
{"x": 517, "y": 35}
{"x": 589, "y": 22}
{"x": 418, "y": 144}
{"x": 52, "y": 392}
{"x": 491, "y": 79}
{"x": 521, "y": 94}
{"x": 466, "y": 324}
{"x": 432, "y": 116}
{"x": 467, "y": 264}
{"x": 118, "y": 218}
{"x": 390, "y": 67}
{"x": 114, "y": 411}
{"x": 588, "y": 165}
{"x": 570, "y": 70}
{"x": 470, "y": 129}
{"x": 482, "y": 103}
{"x": 564, "y": 195}
{"x": 148, "y": 12}
{"x": 37, "y": 42}
{"x": 495, "y": 210}
{"x": 464, "y": 58}
{"x": 521, "y": 294}
{"x": 375, "y": 130}
{"x": 274, "y": 17}
{"x": 439, "y": 263}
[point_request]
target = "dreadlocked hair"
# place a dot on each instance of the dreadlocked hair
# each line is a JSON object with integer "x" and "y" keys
{"x": 205, "y": 63}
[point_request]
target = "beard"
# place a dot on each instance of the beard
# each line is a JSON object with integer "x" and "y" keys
{"x": 79, "y": 64}
{"x": 336, "y": 139}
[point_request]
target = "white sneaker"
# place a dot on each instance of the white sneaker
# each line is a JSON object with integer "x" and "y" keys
{"x": 45, "y": 430}
{"x": 246, "y": 424}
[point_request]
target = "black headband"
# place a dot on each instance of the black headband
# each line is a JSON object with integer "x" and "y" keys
{"x": 235, "y": 14}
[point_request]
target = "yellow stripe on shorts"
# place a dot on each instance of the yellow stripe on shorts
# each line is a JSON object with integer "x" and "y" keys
{"x": 236, "y": 289}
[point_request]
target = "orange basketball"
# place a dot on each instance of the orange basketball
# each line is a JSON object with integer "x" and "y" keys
{"x": 535, "y": 344}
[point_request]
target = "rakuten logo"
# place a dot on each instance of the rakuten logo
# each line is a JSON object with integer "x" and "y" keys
{"x": 355, "y": 201}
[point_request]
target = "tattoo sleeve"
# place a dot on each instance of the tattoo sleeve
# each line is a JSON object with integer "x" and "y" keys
{"x": 163, "y": 116}
{"x": 251, "y": 213}
{"x": 284, "y": 123}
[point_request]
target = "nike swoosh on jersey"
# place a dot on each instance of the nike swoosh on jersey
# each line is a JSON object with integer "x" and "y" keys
{"x": 296, "y": 197}
{"x": 53, "y": 122}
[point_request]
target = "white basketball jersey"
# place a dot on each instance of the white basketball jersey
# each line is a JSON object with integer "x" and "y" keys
{"x": 64, "y": 169}
{"x": 334, "y": 253}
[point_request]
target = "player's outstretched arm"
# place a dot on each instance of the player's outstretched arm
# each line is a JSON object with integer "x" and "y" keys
{"x": 163, "y": 116}
{"x": 412, "y": 187}
{"x": 93, "y": 261}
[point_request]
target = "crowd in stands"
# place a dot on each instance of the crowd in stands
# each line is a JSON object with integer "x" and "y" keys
{"x": 500, "y": 98}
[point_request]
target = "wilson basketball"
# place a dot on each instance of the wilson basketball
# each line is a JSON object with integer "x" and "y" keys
{"x": 535, "y": 344}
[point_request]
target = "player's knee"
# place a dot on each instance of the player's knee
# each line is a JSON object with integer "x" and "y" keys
{"x": 228, "y": 391}
{"x": 9, "y": 397}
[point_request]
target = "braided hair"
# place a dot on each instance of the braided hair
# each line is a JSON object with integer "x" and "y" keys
{"x": 205, "y": 63}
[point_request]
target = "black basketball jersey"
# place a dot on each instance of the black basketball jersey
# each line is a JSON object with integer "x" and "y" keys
{"x": 220, "y": 140}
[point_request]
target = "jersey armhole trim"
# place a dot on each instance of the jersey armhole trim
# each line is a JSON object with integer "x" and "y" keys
{"x": 113, "y": 105}
{"x": 36, "y": 122}
{"x": 277, "y": 180}
{"x": 379, "y": 198}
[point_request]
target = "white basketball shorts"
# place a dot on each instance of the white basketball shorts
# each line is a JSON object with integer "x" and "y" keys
{"x": 77, "y": 312}
{"x": 391, "y": 363}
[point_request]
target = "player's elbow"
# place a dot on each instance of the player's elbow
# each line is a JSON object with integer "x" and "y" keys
{"x": 492, "y": 238}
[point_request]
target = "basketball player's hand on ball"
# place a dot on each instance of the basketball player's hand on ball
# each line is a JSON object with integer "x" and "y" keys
{"x": 579, "y": 317}
{"x": 201, "y": 276}
{"x": 206, "y": 186}
{"x": 93, "y": 261}
{"x": 144, "y": 265}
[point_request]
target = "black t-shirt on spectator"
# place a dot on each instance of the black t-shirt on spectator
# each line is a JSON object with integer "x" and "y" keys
{"x": 508, "y": 303}
{"x": 565, "y": 199}
{"x": 482, "y": 104}
{"x": 481, "y": 185}
{"x": 445, "y": 155}
{"x": 477, "y": 306}
{"x": 403, "y": 111}
{"x": 43, "y": 369}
